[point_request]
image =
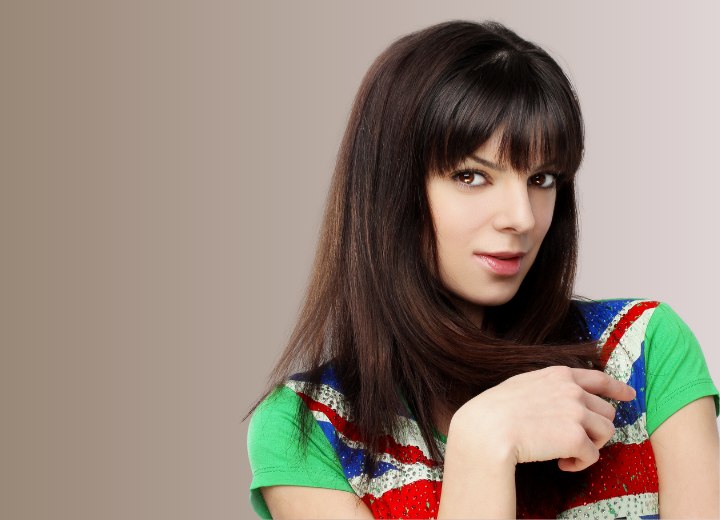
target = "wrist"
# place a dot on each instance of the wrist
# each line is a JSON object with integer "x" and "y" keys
{"x": 479, "y": 475}
{"x": 481, "y": 439}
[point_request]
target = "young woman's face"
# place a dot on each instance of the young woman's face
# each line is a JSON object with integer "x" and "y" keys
{"x": 490, "y": 221}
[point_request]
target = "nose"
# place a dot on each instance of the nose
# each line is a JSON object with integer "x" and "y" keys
{"x": 514, "y": 211}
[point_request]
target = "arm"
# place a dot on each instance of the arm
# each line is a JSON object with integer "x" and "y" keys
{"x": 305, "y": 502}
{"x": 688, "y": 459}
{"x": 279, "y": 466}
{"x": 553, "y": 413}
{"x": 480, "y": 482}
{"x": 681, "y": 418}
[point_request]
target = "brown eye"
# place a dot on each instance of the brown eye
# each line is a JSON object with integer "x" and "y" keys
{"x": 543, "y": 180}
{"x": 470, "y": 178}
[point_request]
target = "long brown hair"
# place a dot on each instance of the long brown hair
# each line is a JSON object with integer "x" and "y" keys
{"x": 375, "y": 307}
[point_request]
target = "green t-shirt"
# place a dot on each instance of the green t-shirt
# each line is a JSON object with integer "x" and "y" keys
{"x": 675, "y": 368}
{"x": 275, "y": 456}
{"x": 676, "y": 374}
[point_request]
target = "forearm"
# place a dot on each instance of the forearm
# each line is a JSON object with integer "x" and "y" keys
{"x": 547, "y": 414}
{"x": 477, "y": 483}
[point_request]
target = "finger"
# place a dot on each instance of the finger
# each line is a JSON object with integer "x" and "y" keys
{"x": 599, "y": 429}
{"x": 600, "y": 383}
{"x": 599, "y": 406}
{"x": 585, "y": 454}
{"x": 573, "y": 464}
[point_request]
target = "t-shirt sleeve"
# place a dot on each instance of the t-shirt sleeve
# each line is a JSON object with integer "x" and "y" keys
{"x": 274, "y": 451}
{"x": 677, "y": 373}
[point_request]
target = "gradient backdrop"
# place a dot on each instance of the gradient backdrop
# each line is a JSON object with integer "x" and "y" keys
{"x": 163, "y": 169}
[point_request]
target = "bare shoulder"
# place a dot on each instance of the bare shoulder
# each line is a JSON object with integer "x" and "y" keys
{"x": 308, "y": 502}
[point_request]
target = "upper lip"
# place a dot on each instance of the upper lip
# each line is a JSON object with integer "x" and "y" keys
{"x": 503, "y": 254}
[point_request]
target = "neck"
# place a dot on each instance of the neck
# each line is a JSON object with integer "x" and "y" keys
{"x": 475, "y": 313}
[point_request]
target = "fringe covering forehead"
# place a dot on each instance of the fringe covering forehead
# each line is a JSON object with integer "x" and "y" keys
{"x": 537, "y": 116}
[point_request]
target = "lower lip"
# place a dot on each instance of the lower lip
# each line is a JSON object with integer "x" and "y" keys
{"x": 504, "y": 267}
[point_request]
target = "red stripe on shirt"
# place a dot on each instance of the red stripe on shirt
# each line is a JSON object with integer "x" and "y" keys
{"x": 623, "y": 469}
{"x": 419, "y": 499}
{"x": 621, "y": 328}
{"x": 403, "y": 454}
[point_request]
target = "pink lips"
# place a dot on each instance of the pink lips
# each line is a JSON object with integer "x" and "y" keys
{"x": 505, "y": 266}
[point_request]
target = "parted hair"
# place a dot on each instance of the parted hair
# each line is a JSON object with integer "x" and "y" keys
{"x": 375, "y": 307}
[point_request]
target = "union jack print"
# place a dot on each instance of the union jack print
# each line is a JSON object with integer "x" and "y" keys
{"x": 408, "y": 482}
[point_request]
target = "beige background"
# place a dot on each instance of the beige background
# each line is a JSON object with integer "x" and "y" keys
{"x": 163, "y": 167}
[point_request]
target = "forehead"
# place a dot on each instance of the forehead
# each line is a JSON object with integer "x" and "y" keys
{"x": 500, "y": 153}
{"x": 490, "y": 149}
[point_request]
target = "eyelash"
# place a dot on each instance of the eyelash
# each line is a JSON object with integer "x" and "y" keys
{"x": 457, "y": 177}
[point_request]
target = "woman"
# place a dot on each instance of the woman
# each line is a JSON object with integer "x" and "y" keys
{"x": 440, "y": 367}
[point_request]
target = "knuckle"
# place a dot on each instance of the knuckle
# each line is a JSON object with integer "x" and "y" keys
{"x": 603, "y": 382}
{"x": 561, "y": 370}
{"x": 577, "y": 413}
{"x": 574, "y": 392}
{"x": 610, "y": 429}
{"x": 578, "y": 392}
{"x": 611, "y": 385}
{"x": 578, "y": 439}
{"x": 604, "y": 435}
{"x": 608, "y": 411}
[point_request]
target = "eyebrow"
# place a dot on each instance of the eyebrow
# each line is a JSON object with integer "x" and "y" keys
{"x": 487, "y": 163}
{"x": 499, "y": 168}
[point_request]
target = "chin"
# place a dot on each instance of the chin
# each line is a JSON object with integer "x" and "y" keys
{"x": 489, "y": 300}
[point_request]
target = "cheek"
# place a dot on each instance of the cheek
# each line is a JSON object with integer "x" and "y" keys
{"x": 457, "y": 221}
{"x": 455, "y": 229}
{"x": 544, "y": 210}
{"x": 546, "y": 221}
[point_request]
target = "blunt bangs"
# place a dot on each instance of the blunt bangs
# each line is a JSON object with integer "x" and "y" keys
{"x": 522, "y": 94}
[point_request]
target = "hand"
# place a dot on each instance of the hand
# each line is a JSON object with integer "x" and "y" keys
{"x": 552, "y": 413}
